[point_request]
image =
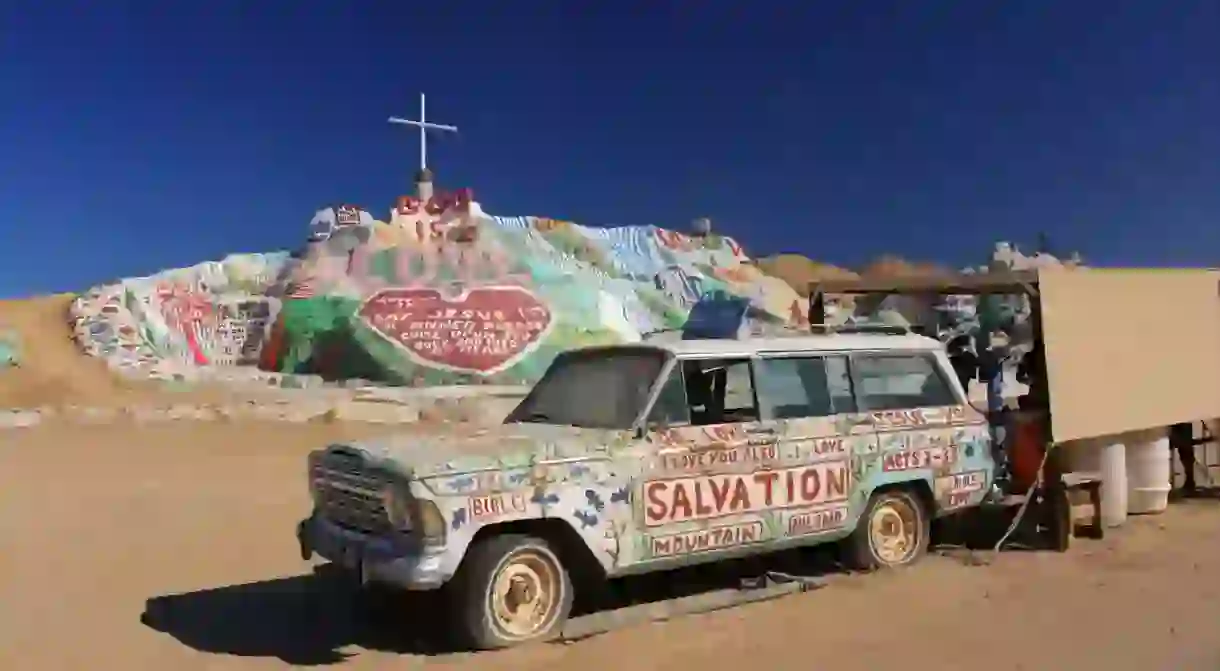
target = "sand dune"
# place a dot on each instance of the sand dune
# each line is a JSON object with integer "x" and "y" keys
{"x": 53, "y": 371}
{"x": 52, "y": 368}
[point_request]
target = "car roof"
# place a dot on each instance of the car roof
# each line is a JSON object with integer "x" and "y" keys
{"x": 834, "y": 342}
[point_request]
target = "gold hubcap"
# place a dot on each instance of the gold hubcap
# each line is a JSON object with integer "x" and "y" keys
{"x": 525, "y": 596}
{"x": 893, "y": 533}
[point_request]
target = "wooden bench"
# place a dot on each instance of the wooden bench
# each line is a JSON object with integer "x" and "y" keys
{"x": 1049, "y": 514}
{"x": 1090, "y": 482}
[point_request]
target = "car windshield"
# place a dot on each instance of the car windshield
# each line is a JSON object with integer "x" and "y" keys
{"x": 603, "y": 389}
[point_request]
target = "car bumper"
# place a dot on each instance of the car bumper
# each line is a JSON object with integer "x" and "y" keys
{"x": 401, "y": 562}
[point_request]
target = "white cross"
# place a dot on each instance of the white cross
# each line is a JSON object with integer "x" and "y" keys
{"x": 423, "y": 126}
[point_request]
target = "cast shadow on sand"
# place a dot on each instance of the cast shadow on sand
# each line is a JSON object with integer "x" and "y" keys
{"x": 317, "y": 619}
{"x": 305, "y": 620}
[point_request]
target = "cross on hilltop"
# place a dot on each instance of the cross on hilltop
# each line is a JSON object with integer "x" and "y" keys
{"x": 424, "y": 126}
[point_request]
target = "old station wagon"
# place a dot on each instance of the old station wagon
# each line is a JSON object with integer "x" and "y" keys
{"x": 638, "y": 458}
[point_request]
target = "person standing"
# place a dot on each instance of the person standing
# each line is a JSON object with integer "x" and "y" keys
{"x": 1182, "y": 441}
{"x": 965, "y": 363}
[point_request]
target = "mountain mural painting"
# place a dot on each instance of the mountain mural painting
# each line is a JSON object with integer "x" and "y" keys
{"x": 437, "y": 293}
{"x": 451, "y": 295}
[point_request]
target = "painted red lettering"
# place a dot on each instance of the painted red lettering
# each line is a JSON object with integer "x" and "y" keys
{"x": 485, "y": 506}
{"x": 707, "y": 497}
{"x": 495, "y": 505}
{"x": 741, "y": 496}
{"x": 720, "y": 493}
{"x": 437, "y": 204}
{"x": 836, "y": 483}
{"x": 901, "y": 418}
{"x": 655, "y": 492}
{"x": 767, "y": 480}
{"x": 407, "y": 205}
{"x": 430, "y": 327}
{"x": 816, "y": 521}
{"x": 705, "y": 458}
{"x": 681, "y": 504}
{"x": 811, "y": 484}
{"x": 827, "y": 445}
{"x": 701, "y": 540}
{"x": 662, "y": 546}
{"x": 702, "y": 509}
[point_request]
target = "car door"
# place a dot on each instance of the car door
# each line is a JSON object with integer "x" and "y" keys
{"x": 699, "y": 496}
{"x": 826, "y": 444}
{"x": 925, "y": 429}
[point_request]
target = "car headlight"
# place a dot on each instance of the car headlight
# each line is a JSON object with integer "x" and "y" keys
{"x": 429, "y": 522}
{"x": 397, "y": 503}
{"x": 421, "y": 516}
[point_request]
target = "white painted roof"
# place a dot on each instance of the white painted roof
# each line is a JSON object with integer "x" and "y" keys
{"x": 835, "y": 342}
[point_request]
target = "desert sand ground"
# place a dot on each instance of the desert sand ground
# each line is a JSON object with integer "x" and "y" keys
{"x": 172, "y": 547}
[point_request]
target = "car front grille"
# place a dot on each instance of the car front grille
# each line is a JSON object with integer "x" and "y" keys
{"x": 348, "y": 495}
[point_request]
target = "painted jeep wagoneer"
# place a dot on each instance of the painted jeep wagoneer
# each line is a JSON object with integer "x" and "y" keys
{"x": 637, "y": 458}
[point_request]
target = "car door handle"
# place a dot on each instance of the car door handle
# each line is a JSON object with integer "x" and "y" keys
{"x": 760, "y": 432}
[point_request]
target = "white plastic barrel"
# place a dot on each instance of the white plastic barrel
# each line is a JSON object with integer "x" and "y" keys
{"x": 1106, "y": 456}
{"x": 1113, "y": 462}
{"x": 1113, "y": 465}
{"x": 1149, "y": 472}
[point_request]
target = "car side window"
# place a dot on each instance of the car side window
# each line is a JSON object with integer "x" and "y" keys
{"x": 719, "y": 391}
{"x": 792, "y": 387}
{"x": 900, "y": 381}
{"x": 838, "y": 381}
{"x": 671, "y": 408}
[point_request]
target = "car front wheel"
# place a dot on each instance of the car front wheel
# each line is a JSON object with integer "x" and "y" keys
{"x": 510, "y": 590}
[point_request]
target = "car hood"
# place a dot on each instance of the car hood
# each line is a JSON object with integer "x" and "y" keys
{"x": 464, "y": 449}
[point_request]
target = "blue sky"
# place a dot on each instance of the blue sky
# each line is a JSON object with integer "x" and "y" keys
{"x": 141, "y": 135}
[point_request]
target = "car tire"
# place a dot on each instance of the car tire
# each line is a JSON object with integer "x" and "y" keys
{"x": 893, "y": 531}
{"x": 510, "y": 590}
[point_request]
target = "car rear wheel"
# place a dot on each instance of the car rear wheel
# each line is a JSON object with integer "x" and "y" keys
{"x": 893, "y": 531}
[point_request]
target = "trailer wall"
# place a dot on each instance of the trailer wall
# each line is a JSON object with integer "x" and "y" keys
{"x": 1129, "y": 349}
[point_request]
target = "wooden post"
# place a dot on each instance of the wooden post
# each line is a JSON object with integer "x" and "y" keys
{"x": 1056, "y": 508}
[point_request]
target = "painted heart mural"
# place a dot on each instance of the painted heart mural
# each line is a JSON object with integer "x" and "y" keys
{"x": 483, "y": 330}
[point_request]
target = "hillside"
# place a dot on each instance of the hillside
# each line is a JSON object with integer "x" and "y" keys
{"x": 439, "y": 293}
